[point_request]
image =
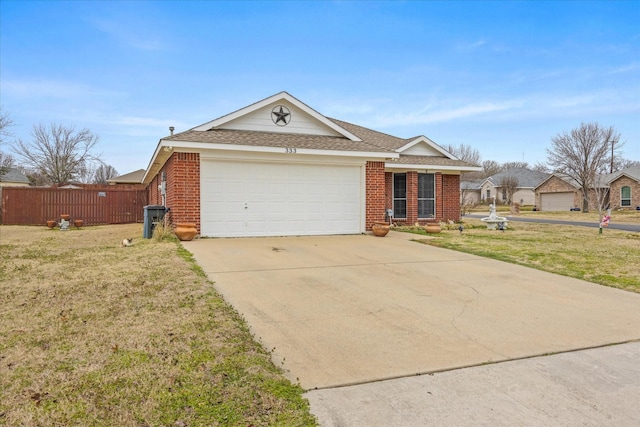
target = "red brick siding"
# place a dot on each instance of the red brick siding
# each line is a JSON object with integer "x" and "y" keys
{"x": 412, "y": 197}
{"x": 183, "y": 188}
{"x": 450, "y": 198}
{"x": 375, "y": 193}
{"x": 616, "y": 188}
{"x": 155, "y": 198}
{"x": 388, "y": 194}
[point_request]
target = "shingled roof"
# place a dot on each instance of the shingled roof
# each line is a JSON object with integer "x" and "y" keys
{"x": 342, "y": 138}
{"x": 272, "y": 139}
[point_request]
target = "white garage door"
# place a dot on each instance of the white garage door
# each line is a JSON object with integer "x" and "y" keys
{"x": 279, "y": 199}
{"x": 556, "y": 201}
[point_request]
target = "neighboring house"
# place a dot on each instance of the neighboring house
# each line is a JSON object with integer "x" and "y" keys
{"x": 470, "y": 192}
{"x": 492, "y": 187}
{"x": 619, "y": 190}
{"x": 14, "y": 178}
{"x": 279, "y": 167}
{"x": 558, "y": 192}
{"x": 624, "y": 188}
{"x": 134, "y": 177}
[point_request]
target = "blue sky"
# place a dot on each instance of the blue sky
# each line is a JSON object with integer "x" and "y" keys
{"x": 502, "y": 77}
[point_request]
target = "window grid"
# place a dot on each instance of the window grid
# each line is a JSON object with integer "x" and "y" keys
{"x": 399, "y": 195}
{"x": 625, "y": 196}
{"x": 426, "y": 195}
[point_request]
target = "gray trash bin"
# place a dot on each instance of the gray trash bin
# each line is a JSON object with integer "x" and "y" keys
{"x": 152, "y": 215}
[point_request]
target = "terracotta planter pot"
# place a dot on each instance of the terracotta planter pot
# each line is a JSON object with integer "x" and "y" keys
{"x": 432, "y": 228}
{"x": 51, "y": 223}
{"x": 78, "y": 223}
{"x": 380, "y": 229}
{"x": 185, "y": 231}
{"x": 65, "y": 217}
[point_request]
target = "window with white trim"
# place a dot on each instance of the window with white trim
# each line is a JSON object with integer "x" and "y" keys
{"x": 399, "y": 195}
{"x": 426, "y": 195}
{"x": 625, "y": 196}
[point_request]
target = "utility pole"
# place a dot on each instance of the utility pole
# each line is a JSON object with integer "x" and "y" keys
{"x": 612, "y": 143}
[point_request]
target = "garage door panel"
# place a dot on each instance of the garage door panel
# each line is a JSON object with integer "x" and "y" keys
{"x": 562, "y": 201}
{"x": 269, "y": 199}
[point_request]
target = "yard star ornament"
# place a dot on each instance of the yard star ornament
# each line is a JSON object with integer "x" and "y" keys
{"x": 280, "y": 115}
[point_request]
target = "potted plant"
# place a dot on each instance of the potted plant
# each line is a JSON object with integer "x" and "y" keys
{"x": 432, "y": 227}
{"x": 185, "y": 231}
{"x": 380, "y": 229}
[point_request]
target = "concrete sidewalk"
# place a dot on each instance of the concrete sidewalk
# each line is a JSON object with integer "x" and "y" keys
{"x": 341, "y": 310}
{"x": 596, "y": 387}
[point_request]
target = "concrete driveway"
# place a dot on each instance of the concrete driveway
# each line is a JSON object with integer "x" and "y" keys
{"x": 342, "y": 310}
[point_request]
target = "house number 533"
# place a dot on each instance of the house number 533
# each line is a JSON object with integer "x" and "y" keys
{"x": 290, "y": 150}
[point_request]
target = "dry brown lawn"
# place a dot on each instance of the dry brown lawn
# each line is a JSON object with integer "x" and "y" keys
{"x": 92, "y": 333}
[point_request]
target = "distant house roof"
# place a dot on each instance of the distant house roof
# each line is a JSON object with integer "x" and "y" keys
{"x": 471, "y": 185}
{"x": 632, "y": 172}
{"x": 527, "y": 178}
{"x": 134, "y": 177}
{"x": 13, "y": 175}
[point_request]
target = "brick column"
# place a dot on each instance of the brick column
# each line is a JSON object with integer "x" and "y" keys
{"x": 451, "y": 196}
{"x": 439, "y": 196}
{"x": 412, "y": 197}
{"x": 375, "y": 193}
{"x": 183, "y": 187}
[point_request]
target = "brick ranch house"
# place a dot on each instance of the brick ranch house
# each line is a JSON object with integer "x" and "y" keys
{"x": 560, "y": 193}
{"x": 279, "y": 167}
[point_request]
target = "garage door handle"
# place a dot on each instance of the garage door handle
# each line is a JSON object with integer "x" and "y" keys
{"x": 245, "y": 206}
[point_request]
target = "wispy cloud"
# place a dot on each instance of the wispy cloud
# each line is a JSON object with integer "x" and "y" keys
{"x": 130, "y": 35}
{"x": 442, "y": 113}
{"x": 470, "y": 45}
{"x": 629, "y": 68}
{"x": 41, "y": 88}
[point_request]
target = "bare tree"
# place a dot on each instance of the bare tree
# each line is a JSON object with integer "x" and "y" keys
{"x": 583, "y": 154}
{"x": 509, "y": 185}
{"x": 541, "y": 167}
{"x": 104, "y": 173}
{"x": 6, "y": 160}
{"x": 58, "y": 153}
{"x": 466, "y": 153}
{"x": 514, "y": 165}
{"x": 490, "y": 167}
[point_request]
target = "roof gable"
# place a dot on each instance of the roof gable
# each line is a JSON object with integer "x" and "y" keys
{"x": 632, "y": 172}
{"x": 423, "y": 146}
{"x": 562, "y": 177}
{"x": 262, "y": 116}
{"x": 128, "y": 178}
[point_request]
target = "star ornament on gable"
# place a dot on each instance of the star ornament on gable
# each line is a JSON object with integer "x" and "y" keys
{"x": 281, "y": 115}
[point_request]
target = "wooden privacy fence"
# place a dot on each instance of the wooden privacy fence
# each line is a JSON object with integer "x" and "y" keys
{"x": 94, "y": 205}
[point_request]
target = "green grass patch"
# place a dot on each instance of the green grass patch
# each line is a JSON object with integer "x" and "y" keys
{"x": 610, "y": 259}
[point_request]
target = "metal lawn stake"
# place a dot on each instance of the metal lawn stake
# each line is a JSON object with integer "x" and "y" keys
{"x": 605, "y": 221}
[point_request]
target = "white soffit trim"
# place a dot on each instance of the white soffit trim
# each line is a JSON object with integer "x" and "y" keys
{"x": 432, "y": 167}
{"x": 430, "y": 143}
{"x": 273, "y": 99}
{"x": 184, "y": 146}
